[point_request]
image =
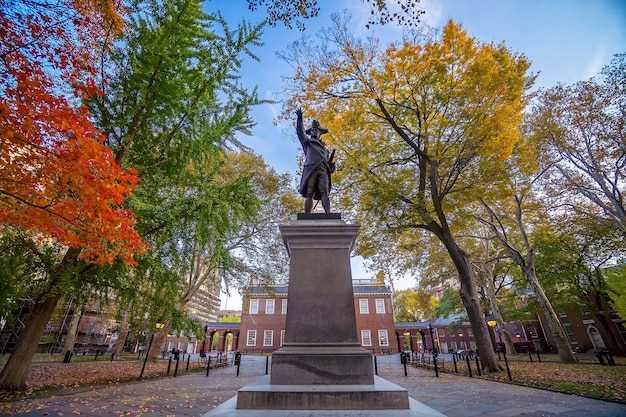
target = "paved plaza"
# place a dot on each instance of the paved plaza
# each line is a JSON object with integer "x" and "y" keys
{"x": 196, "y": 394}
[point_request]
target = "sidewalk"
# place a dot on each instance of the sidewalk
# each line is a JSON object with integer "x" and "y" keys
{"x": 196, "y": 394}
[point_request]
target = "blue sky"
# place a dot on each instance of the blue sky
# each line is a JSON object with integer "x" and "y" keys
{"x": 566, "y": 41}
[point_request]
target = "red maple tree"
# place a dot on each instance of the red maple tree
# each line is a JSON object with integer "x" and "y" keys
{"x": 58, "y": 181}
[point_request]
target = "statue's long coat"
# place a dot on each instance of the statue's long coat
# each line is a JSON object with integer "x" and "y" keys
{"x": 315, "y": 154}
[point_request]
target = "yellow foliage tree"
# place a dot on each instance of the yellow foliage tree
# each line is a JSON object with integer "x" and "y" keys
{"x": 422, "y": 129}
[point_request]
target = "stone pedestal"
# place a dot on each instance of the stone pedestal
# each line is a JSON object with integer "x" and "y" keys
{"x": 321, "y": 344}
{"x": 321, "y": 369}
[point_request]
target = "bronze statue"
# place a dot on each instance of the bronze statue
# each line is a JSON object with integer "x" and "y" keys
{"x": 318, "y": 164}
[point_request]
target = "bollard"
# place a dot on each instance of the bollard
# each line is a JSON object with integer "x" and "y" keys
{"x": 188, "y": 359}
{"x": 469, "y": 366}
{"x": 96, "y": 358}
{"x": 208, "y": 364}
{"x": 267, "y": 364}
{"x": 375, "y": 366}
{"x": 435, "y": 363}
{"x": 176, "y": 368}
{"x": 238, "y": 365}
{"x": 169, "y": 365}
{"x": 112, "y": 356}
{"x": 456, "y": 371}
{"x": 404, "y": 364}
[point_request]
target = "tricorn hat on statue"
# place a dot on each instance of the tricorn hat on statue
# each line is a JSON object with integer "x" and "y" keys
{"x": 316, "y": 125}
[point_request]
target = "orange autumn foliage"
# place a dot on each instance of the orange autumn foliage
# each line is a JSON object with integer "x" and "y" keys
{"x": 58, "y": 181}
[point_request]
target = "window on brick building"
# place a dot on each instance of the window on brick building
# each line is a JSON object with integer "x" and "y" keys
{"x": 570, "y": 333}
{"x": 268, "y": 338}
{"x": 380, "y": 306}
{"x": 383, "y": 339}
{"x": 269, "y": 306}
{"x": 251, "y": 338}
{"x": 364, "y": 306}
{"x": 254, "y": 306}
{"x": 282, "y": 337}
{"x": 620, "y": 326}
{"x": 284, "y": 306}
{"x": 441, "y": 332}
{"x": 366, "y": 338}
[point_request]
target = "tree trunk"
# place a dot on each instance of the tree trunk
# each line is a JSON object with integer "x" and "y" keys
{"x": 506, "y": 336}
{"x": 15, "y": 371}
{"x": 566, "y": 355}
{"x": 123, "y": 334}
{"x": 488, "y": 284}
{"x": 158, "y": 343}
{"x": 469, "y": 295}
{"x": 13, "y": 376}
{"x": 71, "y": 332}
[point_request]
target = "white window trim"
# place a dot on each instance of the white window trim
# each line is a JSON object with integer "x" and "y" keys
{"x": 268, "y": 303}
{"x": 366, "y": 338}
{"x": 380, "y": 302}
{"x": 254, "y": 306}
{"x": 381, "y": 334}
{"x": 251, "y": 338}
{"x": 284, "y": 306}
{"x": 364, "y": 306}
{"x": 268, "y": 334}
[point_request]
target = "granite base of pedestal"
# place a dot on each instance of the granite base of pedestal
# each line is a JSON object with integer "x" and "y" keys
{"x": 381, "y": 399}
{"x": 319, "y": 365}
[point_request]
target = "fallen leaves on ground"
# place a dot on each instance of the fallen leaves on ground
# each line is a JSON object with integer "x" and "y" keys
{"x": 591, "y": 380}
{"x": 53, "y": 376}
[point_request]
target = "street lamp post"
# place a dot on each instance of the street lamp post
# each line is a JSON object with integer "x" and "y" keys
{"x": 157, "y": 326}
{"x": 432, "y": 340}
{"x": 492, "y": 323}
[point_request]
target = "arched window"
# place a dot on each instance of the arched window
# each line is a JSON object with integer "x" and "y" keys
{"x": 596, "y": 338}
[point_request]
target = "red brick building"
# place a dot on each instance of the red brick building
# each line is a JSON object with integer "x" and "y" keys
{"x": 264, "y": 315}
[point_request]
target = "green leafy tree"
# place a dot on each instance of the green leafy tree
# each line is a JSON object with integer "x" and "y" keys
{"x": 424, "y": 127}
{"x": 413, "y": 305}
{"x": 572, "y": 263}
{"x": 616, "y": 281}
{"x": 508, "y": 220}
{"x": 449, "y": 304}
{"x": 172, "y": 104}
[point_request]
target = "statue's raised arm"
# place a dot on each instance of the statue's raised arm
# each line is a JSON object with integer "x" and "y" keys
{"x": 300, "y": 128}
{"x": 315, "y": 182}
